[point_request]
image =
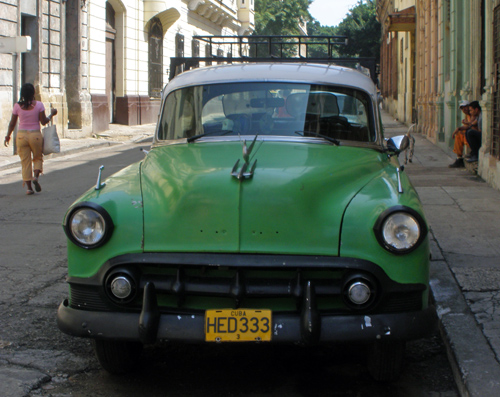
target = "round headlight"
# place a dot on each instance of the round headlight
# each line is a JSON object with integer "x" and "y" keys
{"x": 88, "y": 226}
{"x": 401, "y": 231}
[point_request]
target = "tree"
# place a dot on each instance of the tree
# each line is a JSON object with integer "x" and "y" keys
{"x": 314, "y": 28}
{"x": 284, "y": 17}
{"x": 280, "y": 17}
{"x": 363, "y": 30}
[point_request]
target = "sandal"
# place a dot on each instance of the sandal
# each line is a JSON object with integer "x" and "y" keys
{"x": 38, "y": 188}
{"x": 30, "y": 192}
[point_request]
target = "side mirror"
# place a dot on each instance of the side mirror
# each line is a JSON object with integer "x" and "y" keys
{"x": 398, "y": 143}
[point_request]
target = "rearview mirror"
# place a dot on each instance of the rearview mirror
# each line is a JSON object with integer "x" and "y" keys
{"x": 267, "y": 102}
{"x": 398, "y": 143}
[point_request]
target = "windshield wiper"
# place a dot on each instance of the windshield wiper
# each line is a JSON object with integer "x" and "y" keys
{"x": 220, "y": 132}
{"x": 328, "y": 138}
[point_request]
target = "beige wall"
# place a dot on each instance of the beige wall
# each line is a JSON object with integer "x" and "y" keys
{"x": 397, "y": 58}
{"x": 45, "y": 61}
{"x": 87, "y": 63}
{"x": 187, "y": 17}
{"x": 8, "y": 28}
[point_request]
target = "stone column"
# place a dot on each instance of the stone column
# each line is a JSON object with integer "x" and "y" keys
{"x": 78, "y": 97}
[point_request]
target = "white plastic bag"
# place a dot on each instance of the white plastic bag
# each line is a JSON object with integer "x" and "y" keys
{"x": 51, "y": 142}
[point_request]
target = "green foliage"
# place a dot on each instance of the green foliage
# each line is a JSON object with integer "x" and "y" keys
{"x": 280, "y": 17}
{"x": 314, "y": 28}
{"x": 363, "y": 31}
{"x": 284, "y": 17}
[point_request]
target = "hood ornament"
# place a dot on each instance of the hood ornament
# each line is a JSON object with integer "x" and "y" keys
{"x": 247, "y": 170}
{"x": 99, "y": 185}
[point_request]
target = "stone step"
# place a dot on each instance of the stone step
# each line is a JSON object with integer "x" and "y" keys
{"x": 74, "y": 133}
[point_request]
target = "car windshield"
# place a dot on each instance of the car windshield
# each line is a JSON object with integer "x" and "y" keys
{"x": 277, "y": 109}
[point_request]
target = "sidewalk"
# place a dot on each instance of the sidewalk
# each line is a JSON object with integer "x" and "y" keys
{"x": 463, "y": 213}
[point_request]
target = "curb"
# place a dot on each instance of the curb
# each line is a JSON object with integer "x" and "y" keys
{"x": 475, "y": 368}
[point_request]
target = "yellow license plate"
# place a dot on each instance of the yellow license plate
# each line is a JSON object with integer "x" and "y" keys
{"x": 238, "y": 325}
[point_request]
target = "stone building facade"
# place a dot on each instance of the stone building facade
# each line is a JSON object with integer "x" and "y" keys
{"x": 101, "y": 62}
{"x": 397, "y": 80}
{"x": 43, "y": 66}
{"x": 456, "y": 56}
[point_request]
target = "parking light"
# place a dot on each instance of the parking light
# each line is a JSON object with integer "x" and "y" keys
{"x": 121, "y": 287}
{"x": 359, "y": 293}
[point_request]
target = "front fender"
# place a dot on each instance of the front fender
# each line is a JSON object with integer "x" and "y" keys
{"x": 358, "y": 239}
{"x": 121, "y": 198}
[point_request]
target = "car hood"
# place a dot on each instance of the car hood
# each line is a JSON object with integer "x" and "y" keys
{"x": 292, "y": 204}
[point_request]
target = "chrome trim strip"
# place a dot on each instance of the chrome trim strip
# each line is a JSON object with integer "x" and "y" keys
{"x": 400, "y": 187}
{"x": 273, "y": 138}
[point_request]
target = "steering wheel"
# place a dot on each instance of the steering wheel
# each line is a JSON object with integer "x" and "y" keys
{"x": 241, "y": 122}
{"x": 266, "y": 123}
{"x": 338, "y": 120}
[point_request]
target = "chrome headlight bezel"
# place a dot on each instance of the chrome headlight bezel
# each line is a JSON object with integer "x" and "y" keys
{"x": 102, "y": 216}
{"x": 413, "y": 217}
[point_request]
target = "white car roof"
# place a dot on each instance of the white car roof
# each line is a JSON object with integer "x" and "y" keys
{"x": 281, "y": 72}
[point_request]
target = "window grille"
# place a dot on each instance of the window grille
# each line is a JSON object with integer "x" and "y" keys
{"x": 195, "y": 51}
{"x": 155, "y": 58}
{"x": 179, "y": 50}
{"x": 208, "y": 53}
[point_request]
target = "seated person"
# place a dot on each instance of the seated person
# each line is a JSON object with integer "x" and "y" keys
{"x": 459, "y": 135}
{"x": 473, "y": 134}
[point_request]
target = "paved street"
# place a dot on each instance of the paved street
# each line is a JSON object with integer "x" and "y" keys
{"x": 462, "y": 210}
{"x": 36, "y": 359}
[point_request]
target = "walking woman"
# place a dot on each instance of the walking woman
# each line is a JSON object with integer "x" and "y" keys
{"x": 29, "y": 139}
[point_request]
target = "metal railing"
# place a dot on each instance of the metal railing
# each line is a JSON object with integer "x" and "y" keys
{"x": 238, "y": 49}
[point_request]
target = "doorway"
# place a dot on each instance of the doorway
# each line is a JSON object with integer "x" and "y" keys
{"x": 110, "y": 61}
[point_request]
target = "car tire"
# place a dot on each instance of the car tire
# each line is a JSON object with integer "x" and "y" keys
{"x": 117, "y": 357}
{"x": 385, "y": 360}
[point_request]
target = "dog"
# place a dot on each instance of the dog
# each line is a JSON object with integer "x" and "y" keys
{"x": 411, "y": 146}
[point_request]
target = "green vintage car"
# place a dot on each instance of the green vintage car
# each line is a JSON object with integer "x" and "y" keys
{"x": 270, "y": 208}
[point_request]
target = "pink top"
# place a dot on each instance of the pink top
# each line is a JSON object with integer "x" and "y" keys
{"x": 29, "y": 119}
